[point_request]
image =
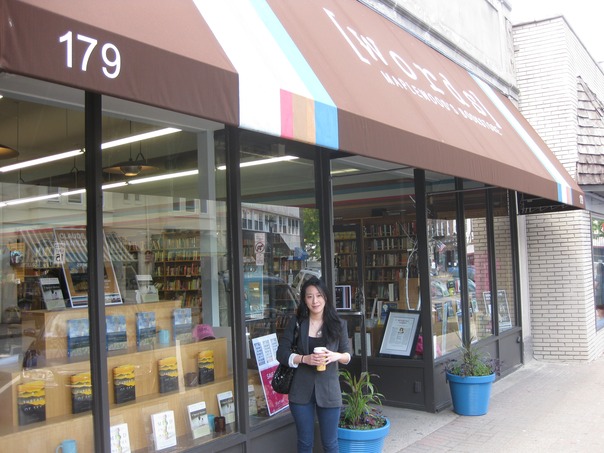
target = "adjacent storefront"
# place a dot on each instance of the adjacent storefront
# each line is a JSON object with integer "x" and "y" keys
{"x": 168, "y": 172}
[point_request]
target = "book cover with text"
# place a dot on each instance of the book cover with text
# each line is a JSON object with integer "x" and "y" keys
{"x": 116, "y": 335}
{"x": 31, "y": 402}
{"x": 198, "y": 419}
{"x": 120, "y": 439}
{"x": 164, "y": 429}
{"x": 182, "y": 324}
{"x": 226, "y": 404}
{"x": 168, "y": 374}
{"x": 81, "y": 392}
{"x": 124, "y": 384}
{"x": 145, "y": 329}
{"x": 78, "y": 337}
{"x": 205, "y": 363}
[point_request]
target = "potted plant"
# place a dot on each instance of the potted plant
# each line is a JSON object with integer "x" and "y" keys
{"x": 362, "y": 425}
{"x": 470, "y": 380}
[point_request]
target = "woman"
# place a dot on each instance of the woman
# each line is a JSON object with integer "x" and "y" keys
{"x": 312, "y": 390}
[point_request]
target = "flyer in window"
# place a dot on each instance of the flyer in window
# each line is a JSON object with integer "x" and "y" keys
{"x": 265, "y": 350}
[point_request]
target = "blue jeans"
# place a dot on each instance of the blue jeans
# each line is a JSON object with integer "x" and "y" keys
{"x": 304, "y": 416}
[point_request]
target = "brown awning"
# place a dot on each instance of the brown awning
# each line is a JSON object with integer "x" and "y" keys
{"x": 326, "y": 72}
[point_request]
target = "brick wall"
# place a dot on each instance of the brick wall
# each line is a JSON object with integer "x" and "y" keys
{"x": 549, "y": 58}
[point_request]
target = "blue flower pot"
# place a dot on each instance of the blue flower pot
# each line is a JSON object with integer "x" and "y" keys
{"x": 362, "y": 440}
{"x": 470, "y": 394}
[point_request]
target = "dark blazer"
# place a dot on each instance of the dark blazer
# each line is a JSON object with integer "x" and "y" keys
{"x": 326, "y": 384}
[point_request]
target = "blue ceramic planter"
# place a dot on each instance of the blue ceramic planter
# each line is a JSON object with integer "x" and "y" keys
{"x": 362, "y": 440}
{"x": 470, "y": 394}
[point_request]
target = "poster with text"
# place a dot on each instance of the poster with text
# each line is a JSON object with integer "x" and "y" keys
{"x": 75, "y": 267}
{"x": 265, "y": 349}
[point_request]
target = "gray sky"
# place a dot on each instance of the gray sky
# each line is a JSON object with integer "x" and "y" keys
{"x": 586, "y": 18}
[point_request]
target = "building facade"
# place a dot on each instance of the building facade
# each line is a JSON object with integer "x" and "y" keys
{"x": 156, "y": 193}
{"x": 561, "y": 92}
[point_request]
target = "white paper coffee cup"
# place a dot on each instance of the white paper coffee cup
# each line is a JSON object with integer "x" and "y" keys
{"x": 320, "y": 350}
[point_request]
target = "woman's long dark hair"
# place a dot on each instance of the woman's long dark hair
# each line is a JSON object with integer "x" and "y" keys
{"x": 331, "y": 321}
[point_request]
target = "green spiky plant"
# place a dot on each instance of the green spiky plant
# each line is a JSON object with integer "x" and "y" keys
{"x": 473, "y": 362}
{"x": 361, "y": 402}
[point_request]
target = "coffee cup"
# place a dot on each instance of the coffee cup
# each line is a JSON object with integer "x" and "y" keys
{"x": 67, "y": 446}
{"x": 320, "y": 350}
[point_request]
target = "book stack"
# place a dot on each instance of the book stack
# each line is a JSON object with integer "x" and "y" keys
{"x": 78, "y": 337}
{"x": 145, "y": 329}
{"x": 168, "y": 374}
{"x": 31, "y": 402}
{"x": 117, "y": 338}
{"x": 198, "y": 419}
{"x": 124, "y": 384}
{"x": 182, "y": 324}
{"x": 81, "y": 392}
{"x": 205, "y": 363}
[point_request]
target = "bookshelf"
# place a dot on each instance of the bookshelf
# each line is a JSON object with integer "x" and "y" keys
{"x": 387, "y": 242}
{"x": 177, "y": 270}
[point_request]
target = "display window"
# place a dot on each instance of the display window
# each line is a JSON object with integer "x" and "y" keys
{"x": 278, "y": 193}
{"x": 167, "y": 330}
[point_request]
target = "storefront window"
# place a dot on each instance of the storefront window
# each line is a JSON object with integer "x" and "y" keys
{"x": 597, "y": 241}
{"x": 445, "y": 289}
{"x": 164, "y": 209}
{"x": 477, "y": 262}
{"x": 506, "y": 301}
{"x": 277, "y": 189}
{"x": 375, "y": 248}
{"x": 44, "y": 334}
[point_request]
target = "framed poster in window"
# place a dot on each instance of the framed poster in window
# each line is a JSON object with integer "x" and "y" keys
{"x": 401, "y": 330}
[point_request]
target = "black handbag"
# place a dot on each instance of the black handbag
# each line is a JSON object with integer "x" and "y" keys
{"x": 284, "y": 375}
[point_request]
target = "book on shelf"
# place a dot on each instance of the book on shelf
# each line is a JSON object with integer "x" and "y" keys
{"x": 205, "y": 364}
{"x": 164, "y": 429}
{"x": 119, "y": 438}
{"x": 78, "y": 337}
{"x": 31, "y": 402}
{"x": 168, "y": 374}
{"x": 226, "y": 404}
{"x": 116, "y": 335}
{"x": 124, "y": 384}
{"x": 198, "y": 419}
{"x": 253, "y": 404}
{"x": 81, "y": 392}
{"x": 146, "y": 334}
{"x": 182, "y": 324}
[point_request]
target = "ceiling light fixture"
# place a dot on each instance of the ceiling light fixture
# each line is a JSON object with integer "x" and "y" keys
{"x": 65, "y": 155}
{"x": 41, "y": 160}
{"x": 139, "y": 137}
{"x": 132, "y": 167}
{"x": 166, "y": 176}
{"x": 253, "y": 163}
{"x": 6, "y": 152}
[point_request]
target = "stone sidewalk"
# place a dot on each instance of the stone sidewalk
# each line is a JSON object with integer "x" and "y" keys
{"x": 542, "y": 407}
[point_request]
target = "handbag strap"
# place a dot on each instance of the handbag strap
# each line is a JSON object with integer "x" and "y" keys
{"x": 296, "y": 335}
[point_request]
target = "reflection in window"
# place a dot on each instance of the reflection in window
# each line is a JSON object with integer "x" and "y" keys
{"x": 597, "y": 239}
{"x": 273, "y": 194}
